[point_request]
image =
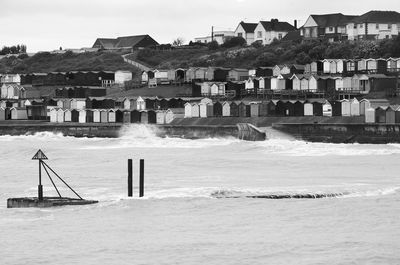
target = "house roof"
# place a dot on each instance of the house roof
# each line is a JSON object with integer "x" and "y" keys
{"x": 376, "y": 16}
{"x": 331, "y": 20}
{"x": 292, "y": 36}
{"x": 275, "y": 25}
{"x": 122, "y": 42}
{"x": 248, "y": 27}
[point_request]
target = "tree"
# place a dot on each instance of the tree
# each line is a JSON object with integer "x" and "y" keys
{"x": 234, "y": 42}
{"x": 178, "y": 42}
{"x": 213, "y": 45}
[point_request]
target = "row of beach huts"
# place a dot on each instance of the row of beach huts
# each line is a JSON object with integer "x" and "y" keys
{"x": 322, "y": 67}
{"x": 371, "y": 109}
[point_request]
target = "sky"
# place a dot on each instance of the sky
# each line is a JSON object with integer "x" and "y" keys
{"x": 45, "y": 25}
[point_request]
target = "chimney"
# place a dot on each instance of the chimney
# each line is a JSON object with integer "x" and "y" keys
{"x": 295, "y": 24}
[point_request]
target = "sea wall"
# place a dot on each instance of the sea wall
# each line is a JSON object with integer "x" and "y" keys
{"x": 343, "y": 133}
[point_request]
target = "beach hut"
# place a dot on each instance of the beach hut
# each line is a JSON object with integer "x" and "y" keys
{"x": 82, "y": 116}
{"x": 234, "y": 109}
{"x": 341, "y": 66}
{"x": 144, "y": 117}
{"x": 90, "y": 116}
{"x": 242, "y": 109}
{"x": 354, "y": 107}
{"x": 74, "y": 115}
{"x": 203, "y": 110}
{"x": 210, "y": 73}
{"x": 200, "y": 73}
{"x": 254, "y": 109}
{"x": 391, "y": 115}
{"x": 326, "y": 66}
{"x": 217, "y": 109}
{"x": 129, "y": 103}
{"x": 140, "y": 103}
{"x": 271, "y": 107}
{"x": 249, "y": 84}
{"x": 380, "y": 114}
{"x": 60, "y": 116}
{"x": 103, "y": 116}
{"x": 151, "y": 117}
{"x": 135, "y": 116}
{"x": 333, "y": 67}
{"x": 326, "y": 110}
{"x": 304, "y": 83}
{"x": 53, "y": 115}
{"x": 336, "y": 108}
{"x": 370, "y": 115}
{"x": 195, "y": 110}
{"x": 111, "y": 116}
{"x": 346, "y": 107}
{"x": 160, "y": 116}
{"x": 67, "y": 116}
{"x": 308, "y": 109}
{"x": 226, "y": 109}
{"x": 280, "y": 109}
{"x": 298, "y": 108}
{"x": 317, "y": 67}
{"x": 397, "y": 115}
{"x": 119, "y": 116}
{"x": 2, "y": 114}
{"x": 188, "y": 110}
{"x": 96, "y": 116}
{"x": 296, "y": 81}
{"x": 126, "y": 117}
{"x": 347, "y": 83}
{"x": 351, "y": 66}
{"x": 172, "y": 114}
{"x": 362, "y": 65}
{"x": 339, "y": 83}
{"x": 263, "y": 109}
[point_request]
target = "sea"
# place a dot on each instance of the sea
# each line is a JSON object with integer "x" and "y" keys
{"x": 205, "y": 201}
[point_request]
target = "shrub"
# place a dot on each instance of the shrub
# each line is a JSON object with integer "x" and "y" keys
{"x": 234, "y": 42}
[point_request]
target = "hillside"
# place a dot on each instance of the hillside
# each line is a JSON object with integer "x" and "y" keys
{"x": 46, "y": 62}
{"x": 278, "y": 52}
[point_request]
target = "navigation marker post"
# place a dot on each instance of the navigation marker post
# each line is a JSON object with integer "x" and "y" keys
{"x": 40, "y": 156}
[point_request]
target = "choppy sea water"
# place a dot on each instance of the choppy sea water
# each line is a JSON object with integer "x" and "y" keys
{"x": 196, "y": 208}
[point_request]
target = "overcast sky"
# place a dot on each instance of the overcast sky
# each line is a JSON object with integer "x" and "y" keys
{"x": 49, "y": 24}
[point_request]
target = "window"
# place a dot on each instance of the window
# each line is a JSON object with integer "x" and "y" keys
{"x": 259, "y": 34}
{"x": 377, "y": 26}
{"x": 240, "y": 35}
{"x": 280, "y": 36}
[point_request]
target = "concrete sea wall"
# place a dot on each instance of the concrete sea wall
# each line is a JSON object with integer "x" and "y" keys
{"x": 343, "y": 133}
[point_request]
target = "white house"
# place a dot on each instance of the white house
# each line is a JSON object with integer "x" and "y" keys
{"x": 219, "y": 36}
{"x": 268, "y": 31}
{"x": 374, "y": 25}
{"x": 246, "y": 31}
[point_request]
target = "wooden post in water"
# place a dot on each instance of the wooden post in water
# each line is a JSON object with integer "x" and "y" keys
{"x": 130, "y": 182}
{"x": 141, "y": 178}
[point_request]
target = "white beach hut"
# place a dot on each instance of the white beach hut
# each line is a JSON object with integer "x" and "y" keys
{"x": 308, "y": 109}
{"x": 103, "y": 116}
{"x": 160, "y": 116}
{"x": 346, "y": 107}
{"x": 112, "y": 116}
{"x": 172, "y": 114}
{"x": 53, "y": 115}
{"x": 370, "y": 115}
{"x": 60, "y": 115}
{"x": 67, "y": 115}
{"x": 96, "y": 116}
{"x": 188, "y": 110}
{"x": 354, "y": 107}
{"x": 82, "y": 116}
{"x": 195, "y": 110}
{"x": 226, "y": 109}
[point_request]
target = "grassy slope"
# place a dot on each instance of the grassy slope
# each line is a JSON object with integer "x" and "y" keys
{"x": 46, "y": 62}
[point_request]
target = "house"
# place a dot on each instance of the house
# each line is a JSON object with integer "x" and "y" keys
{"x": 246, "y": 31}
{"x": 326, "y": 26}
{"x": 268, "y": 31}
{"x": 219, "y": 36}
{"x": 125, "y": 43}
{"x": 374, "y": 25}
